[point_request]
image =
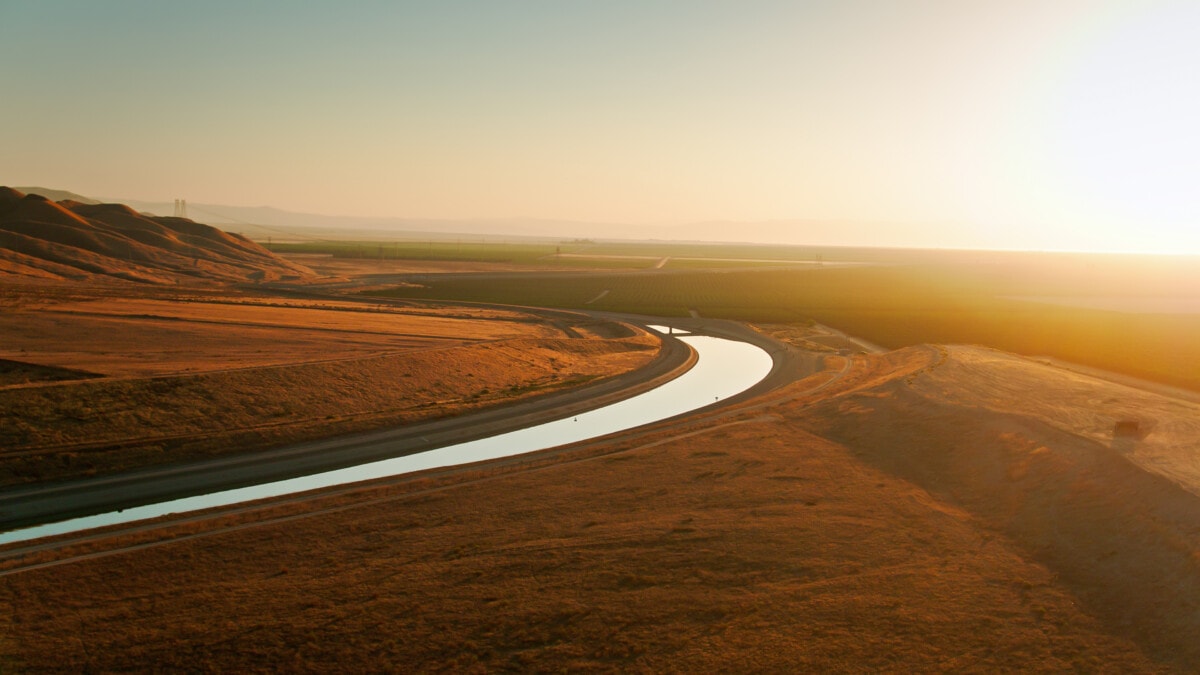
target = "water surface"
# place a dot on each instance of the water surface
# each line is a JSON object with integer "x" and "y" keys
{"x": 724, "y": 368}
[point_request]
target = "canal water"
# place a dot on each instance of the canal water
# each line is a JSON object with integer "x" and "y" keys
{"x": 724, "y": 368}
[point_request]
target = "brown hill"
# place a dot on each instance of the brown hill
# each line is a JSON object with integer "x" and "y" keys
{"x": 1096, "y": 480}
{"x": 73, "y": 240}
{"x": 733, "y": 541}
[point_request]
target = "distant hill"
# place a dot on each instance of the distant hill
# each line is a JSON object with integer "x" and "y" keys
{"x": 265, "y": 222}
{"x": 57, "y": 195}
{"x": 70, "y": 239}
{"x": 1097, "y": 480}
{"x": 261, "y": 222}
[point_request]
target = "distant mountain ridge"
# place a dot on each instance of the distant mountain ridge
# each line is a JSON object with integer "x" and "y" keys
{"x": 74, "y": 240}
{"x": 57, "y": 195}
{"x": 263, "y": 222}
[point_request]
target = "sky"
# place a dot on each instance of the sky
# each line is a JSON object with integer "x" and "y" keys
{"x": 1015, "y": 124}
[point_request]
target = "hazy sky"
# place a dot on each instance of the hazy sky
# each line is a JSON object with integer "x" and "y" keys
{"x": 1040, "y": 124}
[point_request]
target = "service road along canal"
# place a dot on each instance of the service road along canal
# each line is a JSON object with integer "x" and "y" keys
{"x": 723, "y": 369}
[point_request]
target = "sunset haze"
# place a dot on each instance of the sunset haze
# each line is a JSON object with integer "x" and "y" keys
{"x": 1017, "y": 125}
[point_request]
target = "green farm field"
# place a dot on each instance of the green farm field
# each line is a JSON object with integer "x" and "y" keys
{"x": 548, "y": 255}
{"x": 575, "y": 253}
{"x": 994, "y": 300}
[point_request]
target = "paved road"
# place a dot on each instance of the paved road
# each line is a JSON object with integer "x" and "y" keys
{"x": 24, "y": 506}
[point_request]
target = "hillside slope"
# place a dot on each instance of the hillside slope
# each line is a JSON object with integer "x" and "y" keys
{"x": 728, "y": 541}
{"x": 1047, "y": 458}
{"x": 72, "y": 240}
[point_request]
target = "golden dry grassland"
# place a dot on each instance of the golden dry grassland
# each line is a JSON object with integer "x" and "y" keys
{"x": 873, "y": 525}
{"x": 102, "y": 380}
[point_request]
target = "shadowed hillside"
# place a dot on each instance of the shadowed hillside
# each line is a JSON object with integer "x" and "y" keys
{"x": 1096, "y": 480}
{"x": 72, "y": 240}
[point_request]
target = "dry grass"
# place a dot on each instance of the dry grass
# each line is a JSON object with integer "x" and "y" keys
{"x": 734, "y": 542}
{"x": 120, "y": 334}
{"x": 805, "y": 337}
{"x": 1076, "y": 404}
{"x": 1029, "y": 451}
{"x": 95, "y": 242}
{"x": 205, "y": 373}
{"x": 936, "y": 509}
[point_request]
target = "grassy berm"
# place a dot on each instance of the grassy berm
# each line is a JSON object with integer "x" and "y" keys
{"x": 912, "y": 516}
{"x": 100, "y": 380}
{"x": 103, "y": 426}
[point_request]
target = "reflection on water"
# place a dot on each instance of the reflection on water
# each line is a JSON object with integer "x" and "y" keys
{"x": 724, "y": 368}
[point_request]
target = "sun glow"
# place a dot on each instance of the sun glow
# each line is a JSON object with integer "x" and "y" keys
{"x": 1027, "y": 125}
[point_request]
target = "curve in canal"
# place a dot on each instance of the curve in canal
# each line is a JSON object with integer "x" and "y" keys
{"x": 723, "y": 369}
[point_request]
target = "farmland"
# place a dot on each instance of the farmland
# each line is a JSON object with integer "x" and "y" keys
{"x": 896, "y": 305}
{"x": 508, "y": 253}
{"x": 568, "y": 254}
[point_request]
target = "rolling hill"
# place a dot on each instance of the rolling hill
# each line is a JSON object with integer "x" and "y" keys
{"x": 58, "y": 195}
{"x": 931, "y": 509}
{"x": 71, "y": 240}
{"x": 1096, "y": 480}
